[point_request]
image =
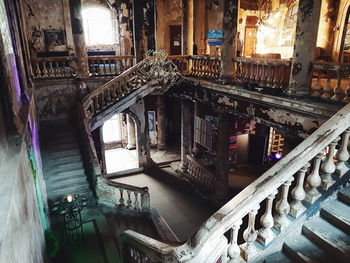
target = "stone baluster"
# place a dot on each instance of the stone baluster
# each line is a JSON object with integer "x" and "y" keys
{"x": 121, "y": 199}
{"x": 265, "y": 234}
{"x": 248, "y": 249}
{"x": 347, "y": 93}
{"x": 129, "y": 202}
{"x": 45, "y": 72}
{"x": 51, "y": 72}
{"x": 37, "y": 71}
{"x": 314, "y": 180}
{"x": 145, "y": 201}
{"x": 136, "y": 203}
{"x": 283, "y": 207}
{"x": 316, "y": 91}
{"x": 343, "y": 154}
{"x": 328, "y": 167}
{"x": 58, "y": 69}
{"x": 298, "y": 193}
{"x": 328, "y": 90}
{"x": 338, "y": 92}
{"x": 233, "y": 250}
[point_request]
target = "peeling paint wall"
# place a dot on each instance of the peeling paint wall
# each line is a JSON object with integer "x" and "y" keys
{"x": 168, "y": 12}
{"x": 45, "y": 15}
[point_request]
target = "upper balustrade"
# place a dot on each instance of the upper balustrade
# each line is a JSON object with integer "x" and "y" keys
{"x": 66, "y": 67}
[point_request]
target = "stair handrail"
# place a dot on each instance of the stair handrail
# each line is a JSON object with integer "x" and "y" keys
{"x": 122, "y": 196}
{"x": 247, "y": 201}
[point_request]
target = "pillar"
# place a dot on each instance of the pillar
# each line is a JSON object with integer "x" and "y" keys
{"x": 142, "y": 133}
{"x": 186, "y": 134}
{"x": 229, "y": 28}
{"x": 201, "y": 26}
{"x": 79, "y": 39}
{"x": 198, "y": 112}
{"x": 222, "y": 159}
{"x": 161, "y": 123}
{"x": 131, "y": 133}
{"x": 187, "y": 27}
{"x": 304, "y": 46}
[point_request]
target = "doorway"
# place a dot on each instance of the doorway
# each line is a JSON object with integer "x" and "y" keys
{"x": 175, "y": 40}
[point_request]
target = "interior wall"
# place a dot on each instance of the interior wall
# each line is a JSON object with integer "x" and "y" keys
{"x": 242, "y": 148}
{"x": 9, "y": 64}
{"x": 168, "y": 12}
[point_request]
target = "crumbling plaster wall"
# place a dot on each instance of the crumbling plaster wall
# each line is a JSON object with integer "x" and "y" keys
{"x": 8, "y": 62}
{"x": 168, "y": 13}
{"x": 48, "y": 15}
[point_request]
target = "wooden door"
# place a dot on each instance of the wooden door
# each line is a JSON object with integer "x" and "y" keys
{"x": 175, "y": 40}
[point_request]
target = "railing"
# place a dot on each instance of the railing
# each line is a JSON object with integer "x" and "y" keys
{"x": 272, "y": 73}
{"x": 55, "y": 67}
{"x": 110, "y": 65}
{"x": 122, "y": 196}
{"x": 309, "y": 187}
{"x": 198, "y": 66}
{"x": 117, "y": 88}
{"x": 200, "y": 173}
{"x": 331, "y": 81}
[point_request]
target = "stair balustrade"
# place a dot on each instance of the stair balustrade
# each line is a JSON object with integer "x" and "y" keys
{"x": 122, "y": 196}
{"x": 101, "y": 66}
{"x": 331, "y": 81}
{"x": 200, "y": 173}
{"x": 54, "y": 67}
{"x": 226, "y": 221}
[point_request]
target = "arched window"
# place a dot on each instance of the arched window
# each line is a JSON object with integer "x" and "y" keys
{"x": 98, "y": 26}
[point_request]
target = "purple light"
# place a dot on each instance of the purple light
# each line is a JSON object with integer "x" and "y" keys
{"x": 278, "y": 156}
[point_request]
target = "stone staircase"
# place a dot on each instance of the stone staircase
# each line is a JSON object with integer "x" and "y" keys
{"x": 324, "y": 237}
{"x": 62, "y": 161}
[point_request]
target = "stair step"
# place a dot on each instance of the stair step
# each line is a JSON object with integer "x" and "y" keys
{"x": 64, "y": 186}
{"x": 302, "y": 250}
{"x": 59, "y": 182}
{"x": 328, "y": 237}
{"x": 58, "y": 160}
{"x": 344, "y": 195}
{"x": 338, "y": 214}
{"x": 62, "y": 175}
{"x": 54, "y": 168}
{"x": 60, "y": 154}
{"x": 80, "y": 189}
{"x": 278, "y": 257}
{"x": 61, "y": 140}
{"x": 61, "y": 147}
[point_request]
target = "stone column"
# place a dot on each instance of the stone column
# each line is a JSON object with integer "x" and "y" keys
{"x": 186, "y": 134}
{"x": 229, "y": 39}
{"x": 142, "y": 143}
{"x": 198, "y": 112}
{"x": 304, "y": 46}
{"x": 131, "y": 133}
{"x": 201, "y": 26}
{"x": 222, "y": 159}
{"x": 187, "y": 27}
{"x": 161, "y": 121}
{"x": 79, "y": 39}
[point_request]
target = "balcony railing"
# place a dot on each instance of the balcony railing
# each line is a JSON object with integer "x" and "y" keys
{"x": 53, "y": 68}
{"x": 110, "y": 65}
{"x": 65, "y": 67}
{"x": 331, "y": 81}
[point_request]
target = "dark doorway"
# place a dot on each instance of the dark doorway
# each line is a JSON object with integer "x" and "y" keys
{"x": 175, "y": 40}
